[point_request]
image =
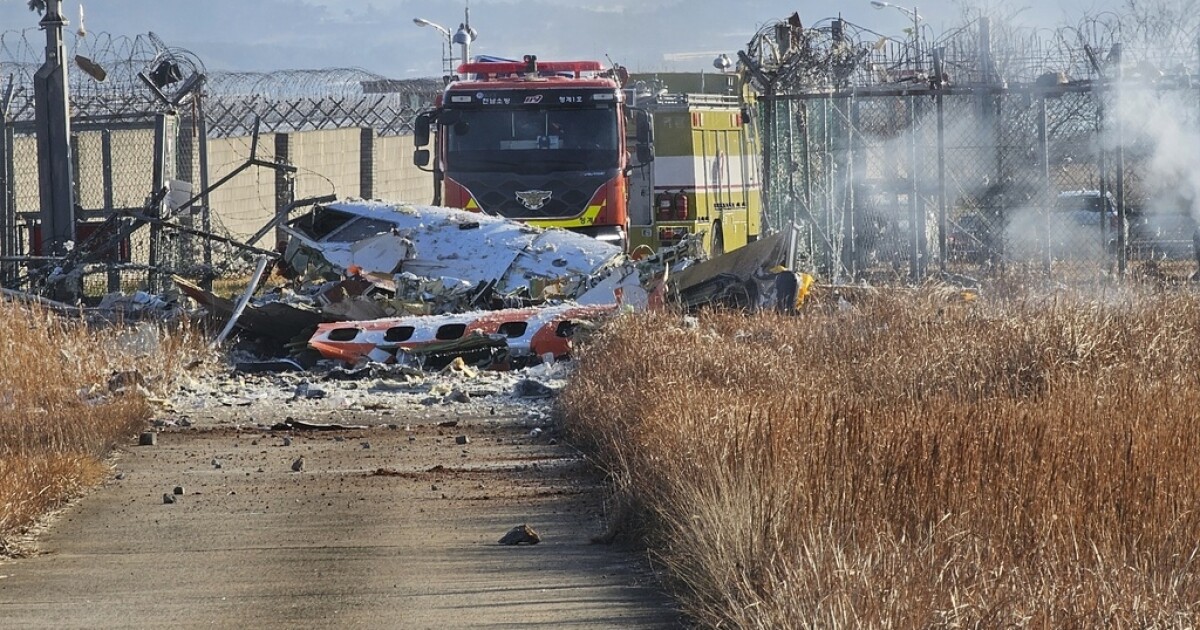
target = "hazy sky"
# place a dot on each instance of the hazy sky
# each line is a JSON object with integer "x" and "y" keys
{"x": 379, "y": 35}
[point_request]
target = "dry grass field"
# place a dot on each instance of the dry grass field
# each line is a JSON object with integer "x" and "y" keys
{"x": 62, "y": 410}
{"x": 910, "y": 461}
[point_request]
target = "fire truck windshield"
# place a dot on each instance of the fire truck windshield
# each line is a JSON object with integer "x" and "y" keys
{"x": 540, "y": 140}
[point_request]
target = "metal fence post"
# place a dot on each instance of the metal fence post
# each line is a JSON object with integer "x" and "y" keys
{"x": 285, "y": 183}
{"x": 55, "y": 175}
{"x": 1048, "y": 184}
{"x": 943, "y": 210}
{"x": 106, "y": 174}
{"x": 366, "y": 161}
{"x": 206, "y": 208}
{"x": 165, "y": 137}
{"x": 7, "y": 200}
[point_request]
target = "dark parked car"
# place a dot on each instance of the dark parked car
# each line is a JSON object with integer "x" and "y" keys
{"x": 1085, "y": 225}
{"x": 1162, "y": 235}
{"x": 1081, "y": 225}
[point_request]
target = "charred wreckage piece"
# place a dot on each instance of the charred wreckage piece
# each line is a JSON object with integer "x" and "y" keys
{"x": 422, "y": 286}
{"x": 503, "y": 338}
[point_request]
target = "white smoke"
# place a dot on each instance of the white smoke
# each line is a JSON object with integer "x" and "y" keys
{"x": 1160, "y": 132}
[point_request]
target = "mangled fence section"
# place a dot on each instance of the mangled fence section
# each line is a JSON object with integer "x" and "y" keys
{"x": 212, "y": 195}
{"x": 174, "y": 166}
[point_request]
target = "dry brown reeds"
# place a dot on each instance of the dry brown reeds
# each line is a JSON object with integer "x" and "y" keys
{"x": 910, "y": 461}
{"x": 61, "y": 410}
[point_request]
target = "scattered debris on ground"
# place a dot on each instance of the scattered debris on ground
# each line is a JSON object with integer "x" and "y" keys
{"x": 376, "y": 390}
{"x": 292, "y": 424}
{"x": 388, "y": 295}
{"x": 521, "y": 535}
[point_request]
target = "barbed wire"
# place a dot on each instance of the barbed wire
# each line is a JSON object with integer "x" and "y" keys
{"x": 104, "y": 83}
{"x": 118, "y": 58}
{"x": 305, "y": 100}
{"x": 282, "y": 85}
{"x": 837, "y": 54}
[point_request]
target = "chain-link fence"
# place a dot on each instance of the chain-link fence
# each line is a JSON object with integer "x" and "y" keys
{"x": 976, "y": 152}
{"x": 144, "y": 119}
{"x": 980, "y": 153}
{"x": 128, "y": 144}
{"x": 1073, "y": 182}
{"x": 306, "y": 100}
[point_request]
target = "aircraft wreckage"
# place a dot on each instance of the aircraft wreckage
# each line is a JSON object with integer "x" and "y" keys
{"x": 406, "y": 283}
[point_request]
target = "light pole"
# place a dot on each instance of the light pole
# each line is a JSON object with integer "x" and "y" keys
{"x": 448, "y": 51}
{"x": 465, "y": 35}
{"x": 52, "y": 113}
{"x": 916, "y": 19}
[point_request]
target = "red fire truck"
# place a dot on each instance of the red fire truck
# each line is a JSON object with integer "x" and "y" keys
{"x": 541, "y": 142}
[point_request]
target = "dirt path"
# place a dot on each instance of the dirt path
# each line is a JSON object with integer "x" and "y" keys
{"x": 384, "y": 527}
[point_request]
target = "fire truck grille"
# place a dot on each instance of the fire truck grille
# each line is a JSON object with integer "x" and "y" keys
{"x": 497, "y": 194}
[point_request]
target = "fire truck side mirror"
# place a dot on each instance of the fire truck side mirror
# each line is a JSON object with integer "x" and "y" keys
{"x": 645, "y": 153}
{"x": 645, "y": 137}
{"x": 421, "y": 157}
{"x": 421, "y": 130}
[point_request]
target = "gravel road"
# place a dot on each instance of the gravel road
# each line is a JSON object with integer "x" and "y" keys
{"x": 391, "y": 525}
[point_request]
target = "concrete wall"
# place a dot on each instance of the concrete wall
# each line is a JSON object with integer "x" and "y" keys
{"x": 329, "y": 162}
{"x": 395, "y": 176}
{"x": 246, "y": 202}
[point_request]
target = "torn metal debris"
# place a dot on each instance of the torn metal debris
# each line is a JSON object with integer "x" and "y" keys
{"x": 429, "y": 287}
{"x": 292, "y": 424}
{"x": 490, "y": 254}
{"x": 371, "y": 260}
{"x": 270, "y": 317}
{"x": 734, "y": 279}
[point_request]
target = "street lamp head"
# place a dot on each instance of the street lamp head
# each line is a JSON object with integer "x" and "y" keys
{"x": 447, "y": 47}
{"x": 423, "y": 22}
{"x": 912, "y": 13}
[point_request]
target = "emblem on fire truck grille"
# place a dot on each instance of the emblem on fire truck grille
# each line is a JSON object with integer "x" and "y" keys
{"x": 533, "y": 199}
